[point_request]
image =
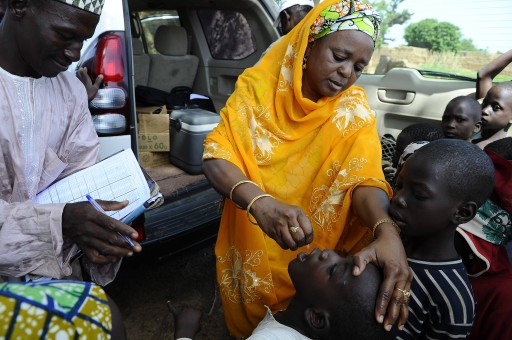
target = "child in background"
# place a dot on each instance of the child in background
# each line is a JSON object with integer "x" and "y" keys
{"x": 481, "y": 244}
{"x": 496, "y": 114}
{"x": 439, "y": 187}
{"x": 388, "y": 146}
{"x": 415, "y": 133}
{"x": 329, "y": 303}
{"x": 412, "y": 133}
{"x": 462, "y": 118}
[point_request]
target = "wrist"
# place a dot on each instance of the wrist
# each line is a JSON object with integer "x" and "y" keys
{"x": 386, "y": 226}
{"x": 251, "y": 206}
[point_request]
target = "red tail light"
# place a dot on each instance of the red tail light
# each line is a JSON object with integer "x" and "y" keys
{"x": 140, "y": 230}
{"x": 109, "y": 58}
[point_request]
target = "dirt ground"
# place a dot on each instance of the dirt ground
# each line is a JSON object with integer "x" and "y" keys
{"x": 146, "y": 282}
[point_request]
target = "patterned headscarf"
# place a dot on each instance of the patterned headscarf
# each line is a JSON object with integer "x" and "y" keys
{"x": 92, "y": 6}
{"x": 409, "y": 150}
{"x": 346, "y": 15}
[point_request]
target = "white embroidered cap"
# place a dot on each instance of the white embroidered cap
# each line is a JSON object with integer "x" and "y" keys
{"x": 93, "y": 6}
{"x": 284, "y": 4}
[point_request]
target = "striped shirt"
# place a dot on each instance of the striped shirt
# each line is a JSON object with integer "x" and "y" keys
{"x": 442, "y": 304}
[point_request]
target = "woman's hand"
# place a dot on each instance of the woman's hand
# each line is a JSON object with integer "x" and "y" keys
{"x": 286, "y": 224}
{"x": 388, "y": 253}
{"x": 96, "y": 234}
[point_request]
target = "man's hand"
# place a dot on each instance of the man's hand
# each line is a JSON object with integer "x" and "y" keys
{"x": 96, "y": 234}
{"x": 90, "y": 87}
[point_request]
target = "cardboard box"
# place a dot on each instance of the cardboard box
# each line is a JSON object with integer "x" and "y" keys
{"x": 153, "y": 129}
{"x": 153, "y": 159}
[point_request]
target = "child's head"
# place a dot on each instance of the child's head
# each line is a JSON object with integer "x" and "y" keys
{"x": 336, "y": 303}
{"x": 415, "y": 133}
{"x": 461, "y": 118}
{"x": 497, "y": 107}
{"x": 441, "y": 186}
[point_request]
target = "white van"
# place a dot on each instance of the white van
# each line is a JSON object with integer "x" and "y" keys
{"x": 202, "y": 45}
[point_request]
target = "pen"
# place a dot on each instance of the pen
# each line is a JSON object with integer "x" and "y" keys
{"x": 100, "y": 209}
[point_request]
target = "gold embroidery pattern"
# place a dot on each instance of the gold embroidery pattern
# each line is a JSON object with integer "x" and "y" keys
{"x": 212, "y": 150}
{"x": 239, "y": 282}
{"x": 286, "y": 78}
{"x": 326, "y": 202}
{"x": 352, "y": 114}
{"x": 263, "y": 140}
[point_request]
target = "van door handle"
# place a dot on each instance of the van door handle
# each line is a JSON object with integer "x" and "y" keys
{"x": 395, "y": 96}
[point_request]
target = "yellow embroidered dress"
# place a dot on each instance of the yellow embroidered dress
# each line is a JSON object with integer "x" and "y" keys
{"x": 303, "y": 153}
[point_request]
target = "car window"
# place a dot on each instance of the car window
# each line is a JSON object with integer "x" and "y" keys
{"x": 227, "y": 33}
{"x": 151, "y": 20}
{"x": 441, "y": 36}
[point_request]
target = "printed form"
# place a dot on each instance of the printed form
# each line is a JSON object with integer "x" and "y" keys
{"x": 116, "y": 178}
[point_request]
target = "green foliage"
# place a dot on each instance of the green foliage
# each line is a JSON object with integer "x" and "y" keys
{"x": 466, "y": 45}
{"x": 387, "y": 9}
{"x": 434, "y": 35}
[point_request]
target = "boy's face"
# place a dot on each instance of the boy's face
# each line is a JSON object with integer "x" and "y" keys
{"x": 458, "y": 122}
{"x": 422, "y": 203}
{"x": 497, "y": 108}
{"x": 323, "y": 279}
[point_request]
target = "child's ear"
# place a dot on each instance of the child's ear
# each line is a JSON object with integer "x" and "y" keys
{"x": 317, "y": 319}
{"x": 477, "y": 127}
{"x": 465, "y": 213}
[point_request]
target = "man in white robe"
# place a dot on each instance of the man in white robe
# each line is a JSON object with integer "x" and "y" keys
{"x": 46, "y": 133}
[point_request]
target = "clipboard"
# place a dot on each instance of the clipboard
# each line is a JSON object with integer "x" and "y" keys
{"x": 115, "y": 178}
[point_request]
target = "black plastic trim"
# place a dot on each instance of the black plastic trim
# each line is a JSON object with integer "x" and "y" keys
{"x": 185, "y": 213}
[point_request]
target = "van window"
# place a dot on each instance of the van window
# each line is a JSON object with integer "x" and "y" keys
{"x": 415, "y": 34}
{"x": 151, "y": 20}
{"x": 228, "y": 34}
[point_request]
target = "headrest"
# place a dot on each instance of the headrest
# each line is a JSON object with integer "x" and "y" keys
{"x": 138, "y": 48}
{"x": 171, "y": 40}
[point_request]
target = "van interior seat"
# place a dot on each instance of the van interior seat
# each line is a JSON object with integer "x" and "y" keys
{"x": 140, "y": 63}
{"x": 172, "y": 67}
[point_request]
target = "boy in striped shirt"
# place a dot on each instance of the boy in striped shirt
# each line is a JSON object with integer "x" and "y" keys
{"x": 439, "y": 187}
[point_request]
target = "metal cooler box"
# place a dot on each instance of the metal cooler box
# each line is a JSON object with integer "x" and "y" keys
{"x": 188, "y": 129}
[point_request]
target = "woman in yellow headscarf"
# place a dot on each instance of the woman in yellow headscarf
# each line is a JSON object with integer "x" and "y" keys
{"x": 298, "y": 155}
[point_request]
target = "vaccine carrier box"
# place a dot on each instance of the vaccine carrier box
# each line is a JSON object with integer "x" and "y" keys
{"x": 188, "y": 129}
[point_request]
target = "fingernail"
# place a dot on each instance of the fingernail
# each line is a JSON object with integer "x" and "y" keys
{"x": 387, "y": 327}
{"x": 401, "y": 327}
{"x": 380, "y": 319}
{"x": 130, "y": 254}
{"x": 356, "y": 271}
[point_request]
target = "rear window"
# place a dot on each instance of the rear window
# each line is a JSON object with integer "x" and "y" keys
{"x": 227, "y": 33}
